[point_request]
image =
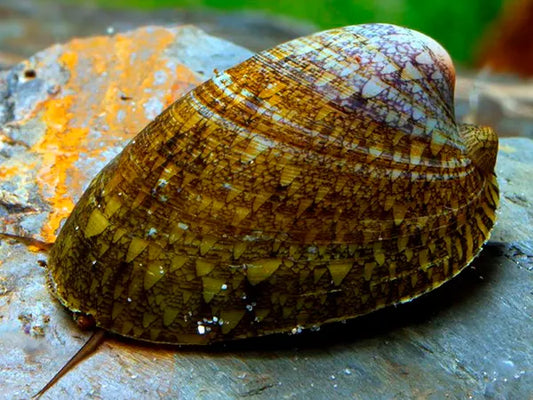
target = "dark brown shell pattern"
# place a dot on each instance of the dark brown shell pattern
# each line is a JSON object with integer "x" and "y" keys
{"x": 317, "y": 181}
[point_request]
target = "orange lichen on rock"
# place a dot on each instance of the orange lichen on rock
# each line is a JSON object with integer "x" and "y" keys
{"x": 114, "y": 87}
{"x": 59, "y": 150}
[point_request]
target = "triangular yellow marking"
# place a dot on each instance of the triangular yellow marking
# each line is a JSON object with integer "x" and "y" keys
{"x": 216, "y": 206}
{"x": 232, "y": 193}
{"x": 148, "y": 318}
{"x": 489, "y": 211}
{"x": 207, "y": 244}
{"x": 169, "y": 315}
{"x": 167, "y": 173}
{"x": 339, "y": 184}
{"x": 230, "y": 319}
{"x": 119, "y": 232}
{"x": 96, "y": 224}
{"x": 138, "y": 200}
{"x": 205, "y": 203}
{"x": 103, "y": 248}
{"x": 203, "y": 267}
{"x": 177, "y": 262}
{"x": 287, "y": 311}
{"x": 192, "y": 120}
{"x": 414, "y": 280}
{"x": 211, "y": 287}
{"x": 137, "y": 331}
{"x": 117, "y": 291}
{"x": 153, "y": 251}
{"x": 369, "y": 268}
{"x": 95, "y": 283}
{"x": 280, "y": 220}
{"x": 186, "y": 296}
{"x": 238, "y": 249}
{"x": 397, "y": 137}
{"x": 318, "y": 273}
{"x": 398, "y": 211}
{"x": 379, "y": 256}
{"x": 481, "y": 226}
{"x": 187, "y": 178}
{"x": 154, "y": 272}
{"x": 288, "y": 174}
{"x": 392, "y": 270}
{"x": 262, "y": 269}
{"x": 303, "y": 205}
{"x": 261, "y": 314}
{"x": 408, "y": 254}
{"x": 117, "y": 309}
{"x": 271, "y": 90}
{"x": 446, "y": 267}
{"x": 159, "y": 299}
{"x": 339, "y": 270}
{"x": 189, "y": 238}
{"x": 310, "y": 235}
{"x": 176, "y": 234}
{"x": 436, "y": 145}
{"x": 293, "y": 188}
{"x": 240, "y": 214}
{"x": 416, "y": 152}
{"x": 422, "y": 221}
{"x": 321, "y": 193}
{"x": 322, "y": 113}
{"x": 389, "y": 202}
{"x": 259, "y": 200}
{"x": 112, "y": 206}
{"x": 126, "y": 327}
{"x": 236, "y": 280}
{"x": 423, "y": 259}
{"x": 304, "y": 273}
{"x": 154, "y": 334}
{"x": 295, "y": 251}
{"x": 136, "y": 247}
{"x": 494, "y": 194}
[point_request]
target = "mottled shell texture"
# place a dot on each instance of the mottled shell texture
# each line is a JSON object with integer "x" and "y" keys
{"x": 317, "y": 181}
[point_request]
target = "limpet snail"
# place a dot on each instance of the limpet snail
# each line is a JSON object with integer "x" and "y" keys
{"x": 317, "y": 181}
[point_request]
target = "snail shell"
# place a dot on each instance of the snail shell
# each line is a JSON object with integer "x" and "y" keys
{"x": 317, "y": 181}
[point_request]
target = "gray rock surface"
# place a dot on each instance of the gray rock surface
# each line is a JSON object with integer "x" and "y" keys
{"x": 471, "y": 338}
{"x": 502, "y": 102}
{"x": 27, "y": 26}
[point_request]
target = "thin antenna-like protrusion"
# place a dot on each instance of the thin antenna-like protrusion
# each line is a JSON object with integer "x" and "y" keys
{"x": 28, "y": 241}
{"x": 88, "y": 348}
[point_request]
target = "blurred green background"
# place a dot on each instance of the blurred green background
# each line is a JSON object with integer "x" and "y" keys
{"x": 457, "y": 24}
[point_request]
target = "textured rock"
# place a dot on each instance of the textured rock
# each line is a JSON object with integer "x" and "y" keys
{"x": 503, "y": 102}
{"x": 470, "y": 338}
{"x": 26, "y": 26}
{"x": 68, "y": 110}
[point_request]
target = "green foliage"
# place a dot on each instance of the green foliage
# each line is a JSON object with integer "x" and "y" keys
{"x": 457, "y": 24}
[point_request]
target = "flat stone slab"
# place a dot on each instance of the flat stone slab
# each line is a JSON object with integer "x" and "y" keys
{"x": 471, "y": 338}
